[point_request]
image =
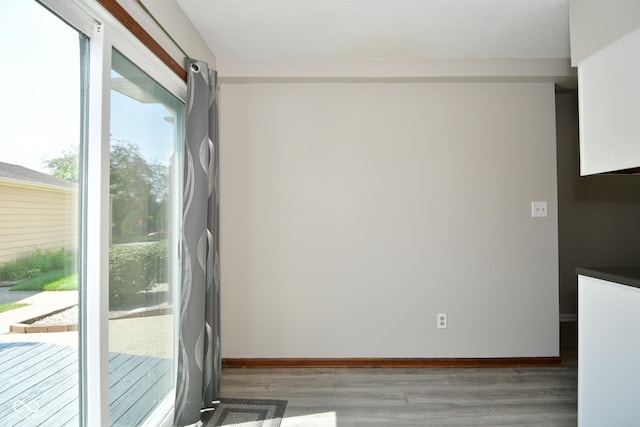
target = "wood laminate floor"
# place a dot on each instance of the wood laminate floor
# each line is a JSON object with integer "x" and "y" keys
{"x": 419, "y": 397}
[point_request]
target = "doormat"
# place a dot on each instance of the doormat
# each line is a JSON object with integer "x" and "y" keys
{"x": 245, "y": 413}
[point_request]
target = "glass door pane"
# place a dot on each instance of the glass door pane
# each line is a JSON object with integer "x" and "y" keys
{"x": 41, "y": 83}
{"x": 145, "y": 177}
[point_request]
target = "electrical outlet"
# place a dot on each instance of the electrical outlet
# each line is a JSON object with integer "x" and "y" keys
{"x": 442, "y": 321}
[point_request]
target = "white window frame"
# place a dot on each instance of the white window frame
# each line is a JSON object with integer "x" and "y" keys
{"x": 105, "y": 34}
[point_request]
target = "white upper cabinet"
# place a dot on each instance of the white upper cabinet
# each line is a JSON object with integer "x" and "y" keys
{"x": 605, "y": 46}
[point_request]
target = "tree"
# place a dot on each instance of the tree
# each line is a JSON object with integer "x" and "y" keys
{"x": 130, "y": 184}
{"x": 65, "y": 166}
{"x": 138, "y": 188}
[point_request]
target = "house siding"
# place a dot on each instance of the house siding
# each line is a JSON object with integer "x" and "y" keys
{"x": 36, "y": 216}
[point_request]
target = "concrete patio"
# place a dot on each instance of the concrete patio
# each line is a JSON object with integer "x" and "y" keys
{"x": 39, "y": 304}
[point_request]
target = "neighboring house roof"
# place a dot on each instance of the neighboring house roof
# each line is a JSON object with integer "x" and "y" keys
{"x": 20, "y": 173}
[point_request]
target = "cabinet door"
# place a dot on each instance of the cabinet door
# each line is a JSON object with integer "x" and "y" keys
{"x": 609, "y": 92}
{"x": 608, "y": 353}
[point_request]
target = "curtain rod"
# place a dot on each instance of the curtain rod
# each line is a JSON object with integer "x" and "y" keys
{"x": 148, "y": 12}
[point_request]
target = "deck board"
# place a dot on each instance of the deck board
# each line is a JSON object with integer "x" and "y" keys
{"x": 141, "y": 397}
{"x": 124, "y": 370}
{"x": 124, "y": 394}
{"x": 48, "y": 374}
{"x": 61, "y": 403}
{"x": 25, "y": 380}
{"x": 66, "y": 408}
{"x": 23, "y": 368}
{"x": 11, "y": 350}
{"x": 75, "y": 421}
{"x": 44, "y": 387}
{"x": 26, "y": 359}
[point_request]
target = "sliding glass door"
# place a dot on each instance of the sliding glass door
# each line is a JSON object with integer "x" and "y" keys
{"x": 41, "y": 81}
{"x": 90, "y": 220}
{"x": 145, "y": 181}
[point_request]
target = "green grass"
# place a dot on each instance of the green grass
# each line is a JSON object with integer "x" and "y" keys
{"x": 11, "y": 306}
{"x": 58, "y": 280}
{"x": 34, "y": 263}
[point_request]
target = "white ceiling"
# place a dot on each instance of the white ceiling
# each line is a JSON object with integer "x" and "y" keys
{"x": 385, "y": 29}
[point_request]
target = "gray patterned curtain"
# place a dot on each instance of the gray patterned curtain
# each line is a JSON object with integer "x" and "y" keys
{"x": 199, "y": 362}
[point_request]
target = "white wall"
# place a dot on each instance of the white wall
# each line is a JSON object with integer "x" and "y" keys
{"x": 353, "y": 213}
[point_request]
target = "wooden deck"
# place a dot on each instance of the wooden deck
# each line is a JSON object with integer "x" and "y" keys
{"x": 39, "y": 385}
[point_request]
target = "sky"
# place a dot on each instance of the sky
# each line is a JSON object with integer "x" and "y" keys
{"x": 40, "y": 104}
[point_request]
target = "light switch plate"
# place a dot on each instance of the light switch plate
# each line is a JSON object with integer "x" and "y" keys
{"x": 539, "y": 209}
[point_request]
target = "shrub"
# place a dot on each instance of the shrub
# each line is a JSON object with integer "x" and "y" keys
{"x": 134, "y": 269}
{"x": 37, "y": 262}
